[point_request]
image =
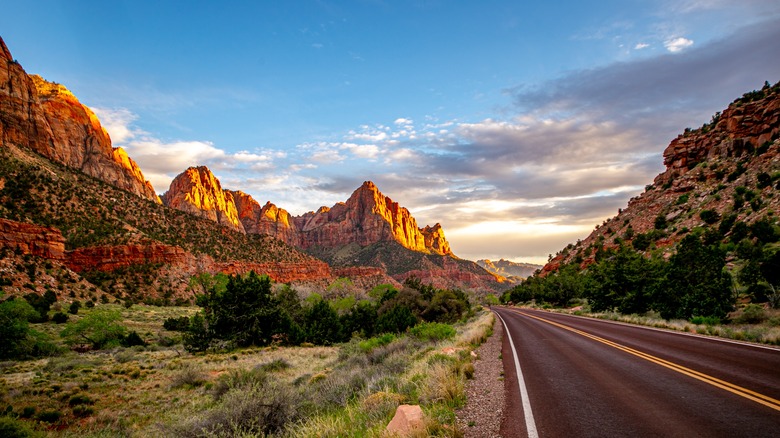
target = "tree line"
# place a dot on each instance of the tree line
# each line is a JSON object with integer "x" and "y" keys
{"x": 239, "y": 311}
{"x": 692, "y": 282}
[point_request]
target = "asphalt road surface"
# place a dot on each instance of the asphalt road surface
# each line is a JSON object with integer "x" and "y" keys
{"x": 582, "y": 377}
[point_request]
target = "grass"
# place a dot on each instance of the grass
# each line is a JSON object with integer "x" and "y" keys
{"x": 348, "y": 390}
{"x": 765, "y": 332}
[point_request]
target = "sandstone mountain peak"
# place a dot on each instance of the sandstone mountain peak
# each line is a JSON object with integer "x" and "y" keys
{"x": 199, "y": 192}
{"x": 47, "y": 118}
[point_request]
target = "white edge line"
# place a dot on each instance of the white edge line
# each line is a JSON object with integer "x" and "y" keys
{"x": 530, "y": 424}
{"x": 661, "y": 329}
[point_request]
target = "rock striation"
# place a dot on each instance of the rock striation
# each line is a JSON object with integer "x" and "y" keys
{"x": 32, "y": 239}
{"x": 48, "y": 119}
{"x": 198, "y": 192}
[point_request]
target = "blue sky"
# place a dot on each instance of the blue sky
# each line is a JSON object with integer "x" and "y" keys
{"x": 517, "y": 125}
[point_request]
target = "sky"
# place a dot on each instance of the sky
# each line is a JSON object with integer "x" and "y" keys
{"x": 517, "y": 125}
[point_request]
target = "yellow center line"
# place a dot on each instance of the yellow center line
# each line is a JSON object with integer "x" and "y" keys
{"x": 730, "y": 387}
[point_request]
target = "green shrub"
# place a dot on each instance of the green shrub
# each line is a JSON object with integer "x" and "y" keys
{"x": 133, "y": 339}
{"x": 80, "y": 399}
{"x": 74, "y": 307}
{"x": 274, "y": 365}
{"x": 13, "y": 428}
{"x": 751, "y": 314}
{"x": 83, "y": 411}
{"x": 49, "y": 416}
{"x": 705, "y": 320}
{"x": 377, "y": 341}
{"x": 177, "y": 324}
{"x": 59, "y": 318}
{"x": 709, "y": 216}
{"x": 432, "y": 331}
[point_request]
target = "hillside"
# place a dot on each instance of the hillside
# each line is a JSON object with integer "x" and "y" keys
{"x": 125, "y": 244}
{"x": 722, "y": 177}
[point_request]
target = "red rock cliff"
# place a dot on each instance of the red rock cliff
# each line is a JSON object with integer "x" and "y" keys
{"x": 268, "y": 219}
{"x": 368, "y": 217}
{"x": 32, "y": 239}
{"x": 197, "y": 191}
{"x": 48, "y": 119}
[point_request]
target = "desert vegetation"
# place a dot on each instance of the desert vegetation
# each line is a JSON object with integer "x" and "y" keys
{"x": 257, "y": 359}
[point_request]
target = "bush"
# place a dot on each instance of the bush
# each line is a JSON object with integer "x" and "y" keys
{"x": 751, "y": 314}
{"x": 188, "y": 377}
{"x": 177, "y": 324}
{"x": 257, "y": 410}
{"x": 705, "y": 320}
{"x": 133, "y": 339}
{"x": 59, "y": 318}
{"x": 100, "y": 329}
{"x": 83, "y": 411}
{"x": 377, "y": 341}
{"x": 274, "y": 365}
{"x": 396, "y": 320}
{"x": 432, "y": 331}
{"x": 709, "y": 216}
{"x": 80, "y": 399}
{"x": 13, "y": 428}
{"x": 74, "y": 307}
{"x": 49, "y": 416}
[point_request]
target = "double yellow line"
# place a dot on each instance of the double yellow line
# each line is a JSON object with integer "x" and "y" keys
{"x": 730, "y": 387}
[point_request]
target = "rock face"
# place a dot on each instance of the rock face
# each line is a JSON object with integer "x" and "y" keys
{"x": 718, "y": 167}
{"x": 367, "y": 217}
{"x": 48, "y": 119}
{"x": 197, "y": 191}
{"x": 109, "y": 258}
{"x": 268, "y": 219}
{"x": 32, "y": 239}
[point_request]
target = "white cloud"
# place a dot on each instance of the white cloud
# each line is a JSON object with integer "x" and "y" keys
{"x": 678, "y": 44}
{"x": 117, "y": 122}
{"x": 403, "y": 121}
{"x": 161, "y": 161}
{"x": 641, "y": 46}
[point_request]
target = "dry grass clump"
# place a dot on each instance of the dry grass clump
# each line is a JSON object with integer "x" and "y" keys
{"x": 751, "y": 323}
{"x": 254, "y": 410}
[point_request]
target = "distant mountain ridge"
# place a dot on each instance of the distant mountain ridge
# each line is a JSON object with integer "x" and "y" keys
{"x": 367, "y": 217}
{"x": 506, "y": 268}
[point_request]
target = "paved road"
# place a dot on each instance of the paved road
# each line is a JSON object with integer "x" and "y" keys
{"x": 588, "y": 378}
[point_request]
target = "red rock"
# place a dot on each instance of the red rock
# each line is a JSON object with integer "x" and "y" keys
{"x": 109, "y": 258}
{"x": 408, "y": 420}
{"x": 48, "y": 119}
{"x": 32, "y": 239}
{"x": 197, "y": 191}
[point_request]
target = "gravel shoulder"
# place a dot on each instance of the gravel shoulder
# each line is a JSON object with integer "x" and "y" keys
{"x": 481, "y": 417}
